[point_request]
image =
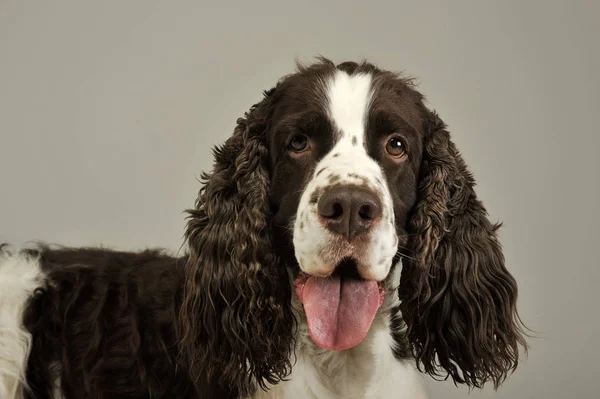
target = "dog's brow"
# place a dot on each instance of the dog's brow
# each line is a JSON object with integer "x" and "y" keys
{"x": 300, "y": 120}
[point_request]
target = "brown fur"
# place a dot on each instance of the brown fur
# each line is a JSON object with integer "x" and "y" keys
{"x": 103, "y": 324}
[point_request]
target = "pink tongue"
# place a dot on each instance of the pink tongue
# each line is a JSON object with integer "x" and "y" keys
{"x": 339, "y": 312}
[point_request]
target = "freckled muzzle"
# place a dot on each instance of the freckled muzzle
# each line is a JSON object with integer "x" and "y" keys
{"x": 351, "y": 217}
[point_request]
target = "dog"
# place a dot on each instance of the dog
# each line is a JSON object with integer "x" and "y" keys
{"x": 337, "y": 249}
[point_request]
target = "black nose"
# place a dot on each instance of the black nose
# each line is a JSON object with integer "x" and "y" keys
{"x": 349, "y": 210}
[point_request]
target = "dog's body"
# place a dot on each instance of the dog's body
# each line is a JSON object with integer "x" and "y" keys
{"x": 337, "y": 245}
{"x": 369, "y": 370}
{"x": 77, "y": 286}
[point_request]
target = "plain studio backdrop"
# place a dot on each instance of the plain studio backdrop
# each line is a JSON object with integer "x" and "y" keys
{"x": 109, "y": 110}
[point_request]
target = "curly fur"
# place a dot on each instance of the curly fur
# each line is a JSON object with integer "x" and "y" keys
{"x": 236, "y": 322}
{"x": 458, "y": 298}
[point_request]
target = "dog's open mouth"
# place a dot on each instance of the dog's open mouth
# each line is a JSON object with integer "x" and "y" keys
{"x": 339, "y": 308}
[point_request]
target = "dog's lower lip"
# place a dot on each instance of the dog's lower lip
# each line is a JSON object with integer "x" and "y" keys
{"x": 346, "y": 268}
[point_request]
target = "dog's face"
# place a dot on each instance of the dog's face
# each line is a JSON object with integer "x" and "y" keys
{"x": 345, "y": 153}
{"x": 345, "y": 149}
{"x": 337, "y": 172}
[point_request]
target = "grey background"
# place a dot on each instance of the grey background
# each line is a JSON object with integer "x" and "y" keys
{"x": 108, "y": 111}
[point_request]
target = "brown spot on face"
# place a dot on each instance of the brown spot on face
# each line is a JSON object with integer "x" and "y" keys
{"x": 320, "y": 171}
{"x": 336, "y": 155}
{"x": 354, "y": 141}
{"x": 334, "y": 178}
{"x": 354, "y": 175}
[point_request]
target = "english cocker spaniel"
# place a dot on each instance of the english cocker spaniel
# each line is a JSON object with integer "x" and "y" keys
{"x": 336, "y": 248}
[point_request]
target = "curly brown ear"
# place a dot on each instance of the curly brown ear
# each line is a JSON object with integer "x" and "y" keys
{"x": 458, "y": 299}
{"x": 236, "y": 323}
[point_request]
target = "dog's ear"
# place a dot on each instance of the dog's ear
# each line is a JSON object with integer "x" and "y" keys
{"x": 458, "y": 298}
{"x": 236, "y": 323}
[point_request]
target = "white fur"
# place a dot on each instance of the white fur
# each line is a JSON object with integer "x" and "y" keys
{"x": 349, "y": 100}
{"x": 317, "y": 250}
{"x": 366, "y": 371}
{"x": 19, "y": 276}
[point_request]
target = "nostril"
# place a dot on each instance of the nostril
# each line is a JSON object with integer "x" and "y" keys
{"x": 330, "y": 207}
{"x": 366, "y": 212}
{"x": 337, "y": 211}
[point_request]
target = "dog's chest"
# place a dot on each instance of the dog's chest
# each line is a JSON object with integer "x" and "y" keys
{"x": 368, "y": 371}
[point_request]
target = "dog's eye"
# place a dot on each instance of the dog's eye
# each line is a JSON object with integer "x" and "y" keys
{"x": 299, "y": 143}
{"x": 395, "y": 147}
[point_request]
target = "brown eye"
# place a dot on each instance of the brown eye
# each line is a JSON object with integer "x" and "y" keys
{"x": 395, "y": 147}
{"x": 299, "y": 143}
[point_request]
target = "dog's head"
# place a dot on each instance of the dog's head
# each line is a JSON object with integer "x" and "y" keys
{"x": 339, "y": 172}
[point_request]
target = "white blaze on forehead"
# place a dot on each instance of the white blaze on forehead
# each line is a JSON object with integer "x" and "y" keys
{"x": 349, "y": 99}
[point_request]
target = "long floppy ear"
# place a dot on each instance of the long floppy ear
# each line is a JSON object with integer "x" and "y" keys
{"x": 236, "y": 323}
{"x": 458, "y": 299}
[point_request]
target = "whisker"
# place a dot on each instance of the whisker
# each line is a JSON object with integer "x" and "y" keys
{"x": 407, "y": 257}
